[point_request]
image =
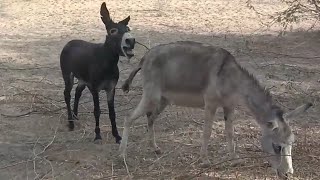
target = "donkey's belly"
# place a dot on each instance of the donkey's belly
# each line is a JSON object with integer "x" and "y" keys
{"x": 103, "y": 85}
{"x": 184, "y": 99}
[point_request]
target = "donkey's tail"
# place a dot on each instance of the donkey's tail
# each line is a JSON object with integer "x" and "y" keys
{"x": 126, "y": 85}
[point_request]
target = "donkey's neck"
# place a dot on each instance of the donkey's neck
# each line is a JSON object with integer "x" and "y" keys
{"x": 110, "y": 51}
{"x": 257, "y": 99}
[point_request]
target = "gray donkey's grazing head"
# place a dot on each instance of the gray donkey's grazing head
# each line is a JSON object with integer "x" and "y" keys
{"x": 277, "y": 139}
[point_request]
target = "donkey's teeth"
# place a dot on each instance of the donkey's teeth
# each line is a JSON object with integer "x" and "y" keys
{"x": 129, "y": 52}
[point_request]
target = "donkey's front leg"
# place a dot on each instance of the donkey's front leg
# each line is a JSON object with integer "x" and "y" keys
{"x": 112, "y": 115}
{"x": 96, "y": 111}
{"x": 229, "y": 130}
{"x": 210, "y": 111}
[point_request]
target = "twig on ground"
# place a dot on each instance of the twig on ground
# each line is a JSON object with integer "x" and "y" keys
{"x": 52, "y": 171}
{"x": 164, "y": 155}
{"x": 15, "y": 164}
{"x": 225, "y": 161}
{"x": 27, "y": 170}
{"x": 30, "y": 68}
{"x": 126, "y": 165}
{"x": 84, "y": 132}
{"x": 17, "y": 115}
{"x": 199, "y": 123}
{"x": 36, "y": 155}
{"x": 112, "y": 170}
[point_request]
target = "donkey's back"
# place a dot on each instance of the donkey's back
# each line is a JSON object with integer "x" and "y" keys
{"x": 78, "y": 53}
{"x": 184, "y": 72}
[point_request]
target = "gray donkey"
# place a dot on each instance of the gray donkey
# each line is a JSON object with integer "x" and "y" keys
{"x": 196, "y": 75}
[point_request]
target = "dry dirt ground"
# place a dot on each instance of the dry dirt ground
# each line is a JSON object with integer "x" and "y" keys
{"x": 37, "y": 144}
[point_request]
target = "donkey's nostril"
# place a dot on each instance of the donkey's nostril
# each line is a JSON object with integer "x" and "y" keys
{"x": 127, "y": 41}
{"x": 130, "y": 42}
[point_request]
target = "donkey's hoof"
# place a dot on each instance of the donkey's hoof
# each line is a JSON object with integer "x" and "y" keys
{"x": 97, "y": 141}
{"x": 118, "y": 140}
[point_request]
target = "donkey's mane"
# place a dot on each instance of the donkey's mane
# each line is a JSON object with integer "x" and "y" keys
{"x": 256, "y": 83}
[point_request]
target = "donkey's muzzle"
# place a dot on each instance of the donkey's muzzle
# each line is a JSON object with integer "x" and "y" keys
{"x": 127, "y": 45}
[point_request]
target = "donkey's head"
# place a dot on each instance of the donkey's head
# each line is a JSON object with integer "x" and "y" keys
{"x": 119, "y": 33}
{"x": 277, "y": 139}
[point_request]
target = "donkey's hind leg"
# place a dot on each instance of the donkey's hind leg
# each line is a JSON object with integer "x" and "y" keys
{"x": 68, "y": 81}
{"x": 151, "y": 118}
{"x": 146, "y": 104}
{"x": 77, "y": 96}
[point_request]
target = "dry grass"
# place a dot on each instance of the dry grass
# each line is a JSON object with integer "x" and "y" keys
{"x": 35, "y": 143}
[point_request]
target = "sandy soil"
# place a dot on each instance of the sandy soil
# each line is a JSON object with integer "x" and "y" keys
{"x": 39, "y": 146}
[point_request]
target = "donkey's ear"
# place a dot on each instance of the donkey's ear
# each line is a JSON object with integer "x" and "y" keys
{"x": 298, "y": 110}
{"x": 272, "y": 125}
{"x": 125, "y": 21}
{"x": 105, "y": 16}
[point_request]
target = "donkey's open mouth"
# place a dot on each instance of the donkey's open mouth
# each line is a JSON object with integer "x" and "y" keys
{"x": 127, "y": 45}
{"x": 128, "y": 51}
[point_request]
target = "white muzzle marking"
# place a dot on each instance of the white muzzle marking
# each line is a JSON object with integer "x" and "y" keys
{"x": 124, "y": 43}
{"x": 286, "y": 160}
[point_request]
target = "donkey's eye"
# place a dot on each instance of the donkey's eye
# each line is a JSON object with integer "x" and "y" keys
{"x": 113, "y": 31}
{"x": 277, "y": 148}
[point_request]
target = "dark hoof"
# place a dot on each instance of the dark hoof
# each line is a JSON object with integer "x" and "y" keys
{"x": 71, "y": 127}
{"x": 97, "y": 141}
{"x": 118, "y": 140}
{"x": 97, "y": 137}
